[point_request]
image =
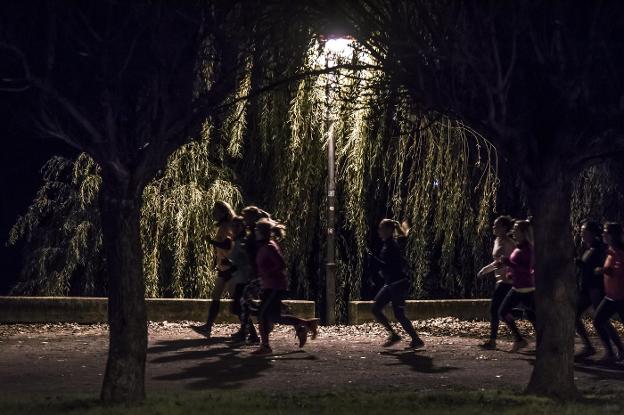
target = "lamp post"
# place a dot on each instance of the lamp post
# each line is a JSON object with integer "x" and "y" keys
{"x": 330, "y": 264}
{"x": 337, "y": 47}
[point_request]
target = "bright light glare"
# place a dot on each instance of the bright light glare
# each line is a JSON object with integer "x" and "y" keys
{"x": 341, "y": 47}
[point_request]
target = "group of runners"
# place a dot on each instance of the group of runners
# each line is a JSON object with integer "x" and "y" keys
{"x": 251, "y": 266}
{"x": 600, "y": 266}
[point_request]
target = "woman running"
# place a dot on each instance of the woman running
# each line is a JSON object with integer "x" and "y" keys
{"x": 223, "y": 215}
{"x": 591, "y": 287}
{"x": 520, "y": 266}
{"x": 251, "y": 215}
{"x": 613, "y": 301}
{"x": 396, "y": 283}
{"x": 503, "y": 247}
{"x": 241, "y": 273}
{"x": 271, "y": 269}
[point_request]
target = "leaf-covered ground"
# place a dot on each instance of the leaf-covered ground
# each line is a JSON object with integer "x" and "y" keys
{"x": 60, "y": 360}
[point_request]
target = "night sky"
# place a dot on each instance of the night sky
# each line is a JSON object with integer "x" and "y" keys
{"x": 23, "y": 154}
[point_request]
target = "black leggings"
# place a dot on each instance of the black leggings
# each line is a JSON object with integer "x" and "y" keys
{"x": 513, "y": 299}
{"x": 588, "y": 298}
{"x": 270, "y": 313}
{"x": 605, "y": 311}
{"x": 501, "y": 291}
{"x": 395, "y": 294}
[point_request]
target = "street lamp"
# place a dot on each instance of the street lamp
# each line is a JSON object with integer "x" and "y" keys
{"x": 334, "y": 50}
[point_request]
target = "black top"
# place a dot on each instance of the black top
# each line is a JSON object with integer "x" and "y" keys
{"x": 391, "y": 262}
{"x": 593, "y": 257}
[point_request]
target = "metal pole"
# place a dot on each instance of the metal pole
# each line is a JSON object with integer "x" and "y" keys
{"x": 330, "y": 275}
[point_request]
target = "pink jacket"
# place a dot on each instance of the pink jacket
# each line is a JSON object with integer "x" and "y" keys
{"x": 271, "y": 267}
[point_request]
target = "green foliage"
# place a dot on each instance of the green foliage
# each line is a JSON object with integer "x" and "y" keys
{"x": 390, "y": 162}
{"x": 63, "y": 235}
{"x": 61, "y": 232}
{"x": 598, "y": 193}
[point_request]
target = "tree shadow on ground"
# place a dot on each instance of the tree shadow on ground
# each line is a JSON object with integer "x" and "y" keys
{"x": 224, "y": 367}
{"x": 417, "y": 362}
{"x": 594, "y": 369}
{"x": 174, "y": 345}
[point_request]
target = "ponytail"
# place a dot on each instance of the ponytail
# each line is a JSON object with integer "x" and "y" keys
{"x": 270, "y": 228}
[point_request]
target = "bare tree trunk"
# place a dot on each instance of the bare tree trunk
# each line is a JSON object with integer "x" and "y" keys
{"x": 124, "y": 380}
{"x": 553, "y": 374}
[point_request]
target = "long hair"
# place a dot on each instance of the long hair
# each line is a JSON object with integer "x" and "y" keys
{"x": 506, "y": 222}
{"x": 399, "y": 229}
{"x": 254, "y": 213}
{"x": 526, "y": 226}
{"x": 270, "y": 229}
{"x": 223, "y": 212}
{"x": 594, "y": 228}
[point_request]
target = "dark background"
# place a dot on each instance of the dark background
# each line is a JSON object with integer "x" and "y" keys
{"x": 23, "y": 154}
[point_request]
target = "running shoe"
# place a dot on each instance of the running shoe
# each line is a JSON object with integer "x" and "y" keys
{"x": 489, "y": 345}
{"x": 313, "y": 327}
{"x": 301, "y": 333}
{"x": 518, "y": 345}
{"x": 204, "y": 329}
{"x": 263, "y": 350}
{"x": 417, "y": 343}
{"x": 392, "y": 339}
{"x": 238, "y": 337}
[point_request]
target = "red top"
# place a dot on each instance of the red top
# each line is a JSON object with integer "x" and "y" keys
{"x": 614, "y": 275}
{"x": 520, "y": 264}
{"x": 271, "y": 267}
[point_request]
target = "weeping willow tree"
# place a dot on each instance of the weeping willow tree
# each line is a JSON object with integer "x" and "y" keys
{"x": 391, "y": 161}
{"x": 599, "y": 193}
{"x": 63, "y": 236}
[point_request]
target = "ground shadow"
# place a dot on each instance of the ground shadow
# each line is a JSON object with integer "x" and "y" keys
{"x": 595, "y": 370}
{"x": 165, "y": 346}
{"x": 224, "y": 367}
{"x": 418, "y": 362}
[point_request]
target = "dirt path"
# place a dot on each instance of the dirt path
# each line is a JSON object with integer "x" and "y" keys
{"x": 54, "y": 360}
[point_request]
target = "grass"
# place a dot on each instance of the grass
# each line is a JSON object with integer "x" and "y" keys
{"x": 336, "y": 403}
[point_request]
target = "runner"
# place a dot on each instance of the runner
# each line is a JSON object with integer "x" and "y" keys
{"x": 242, "y": 271}
{"x": 591, "y": 287}
{"x": 223, "y": 215}
{"x": 503, "y": 247}
{"x": 613, "y": 301}
{"x": 392, "y": 268}
{"x": 251, "y": 215}
{"x": 271, "y": 269}
{"x": 520, "y": 265}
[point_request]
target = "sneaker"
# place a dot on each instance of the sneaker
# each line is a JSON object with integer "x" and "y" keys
{"x": 585, "y": 352}
{"x": 204, "y": 329}
{"x": 518, "y": 345}
{"x": 238, "y": 337}
{"x": 417, "y": 343}
{"x": 392, "y": 339}
{"x": 301, "y": 333}
{"x": 313, "y": 327}
{"x": 489, "y": 345}
{"x": 262, "y": 350}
